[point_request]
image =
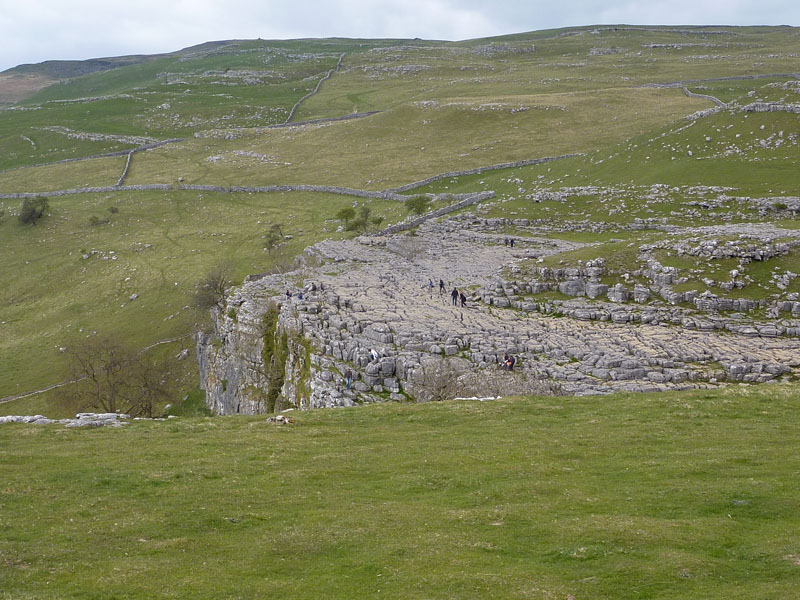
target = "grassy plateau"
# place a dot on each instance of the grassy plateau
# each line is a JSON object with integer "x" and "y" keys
{"x": 688, "y": 495}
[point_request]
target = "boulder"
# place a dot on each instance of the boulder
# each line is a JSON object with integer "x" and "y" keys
{"x": 595, "y": 290}
{"x": 619, "y": 294}
{"x": 573, "y": 287}
{"x": 641, "y": 294}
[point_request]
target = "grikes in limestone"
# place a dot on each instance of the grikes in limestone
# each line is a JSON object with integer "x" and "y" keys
{"x": 268, "y": 352}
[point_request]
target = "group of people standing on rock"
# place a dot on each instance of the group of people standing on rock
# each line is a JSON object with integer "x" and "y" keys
{"x": 311, "y": 287}
{"x": 455, "y": 294}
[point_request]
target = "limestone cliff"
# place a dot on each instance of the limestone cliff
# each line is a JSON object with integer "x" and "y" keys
{"x": 368, "y": 309}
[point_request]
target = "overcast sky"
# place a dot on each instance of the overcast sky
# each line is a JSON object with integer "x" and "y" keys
{"x": 33, "y": 31}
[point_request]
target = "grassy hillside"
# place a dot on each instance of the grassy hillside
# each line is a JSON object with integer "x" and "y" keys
{"x": 66, "y": 277}
{"x": 415, "y": 141}
{"x": 245, "y": 83}
{"x": 523, "y": 498}
{"x": 442, "y": 107}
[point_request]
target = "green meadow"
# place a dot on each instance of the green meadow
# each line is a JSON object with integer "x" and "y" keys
{"x": 66, "y": 278}
{"x": 675, "y": 495}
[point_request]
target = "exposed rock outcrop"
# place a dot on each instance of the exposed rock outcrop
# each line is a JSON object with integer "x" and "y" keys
{"x": 369, "y": 313}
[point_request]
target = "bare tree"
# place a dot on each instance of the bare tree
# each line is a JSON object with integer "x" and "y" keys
{"x": 438, "y": 379}
{"x": 110, "y": 377}
{"x": 96, "y": 364}
{"x": 212, "y": 289}
{"x": 150, "y": 384}
{"x": 441, "y": 379}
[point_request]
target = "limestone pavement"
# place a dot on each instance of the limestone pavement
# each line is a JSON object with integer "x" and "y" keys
{"x": 366, "y": 308}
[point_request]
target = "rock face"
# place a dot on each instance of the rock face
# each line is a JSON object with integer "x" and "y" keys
{"x": 369, "y": 313}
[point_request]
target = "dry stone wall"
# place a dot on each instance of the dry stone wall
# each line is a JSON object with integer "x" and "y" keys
{"x": 479, "y": 170}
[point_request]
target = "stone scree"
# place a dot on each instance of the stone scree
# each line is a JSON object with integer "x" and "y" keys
{"x": 368, "y": 310}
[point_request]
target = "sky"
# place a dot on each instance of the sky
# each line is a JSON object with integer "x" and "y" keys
{"x": 33, "y": 31}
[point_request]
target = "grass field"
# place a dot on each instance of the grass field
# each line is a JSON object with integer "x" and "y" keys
{"x": 676, "y": 495}
{"x": 158, "y": 246}
{"x": 411, "y": 143}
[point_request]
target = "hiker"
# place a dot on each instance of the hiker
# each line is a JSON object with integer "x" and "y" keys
{"x": 463, "y": 300}
{"x": 511, "y": 242}
{"x": 454, "y": 296}
{"x": 430, "y": 287}
{"x": 505, "y": 361}
{"x": 348, "y": 377}
{"x": 288, "y": 294}
{"x": 510, "y": 363}
{"x": 505, "y": 241}
{"x": 373, "y": 355}
{"x": 441, "y": 287}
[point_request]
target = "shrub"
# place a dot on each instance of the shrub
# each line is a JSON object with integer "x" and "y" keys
{"x": 32, "y": 210}
{"x": 211, "y": 290}
{"x": 95, "y": 220}
{"x": 438, "y": 379}
{"x": 446, "y": 378}
{"x": 346, "y": 215}
{"x": 273, "y": 238}
{"x": 364, "y": 220}
{"x": 418, "y": 204}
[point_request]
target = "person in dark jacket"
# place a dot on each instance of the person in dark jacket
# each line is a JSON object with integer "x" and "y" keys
{"x": 454, "y": 296}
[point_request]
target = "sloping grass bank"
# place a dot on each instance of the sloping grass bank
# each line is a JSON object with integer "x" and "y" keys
{"x": 134, "y": 276}
{"x": 677, "y": 495}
